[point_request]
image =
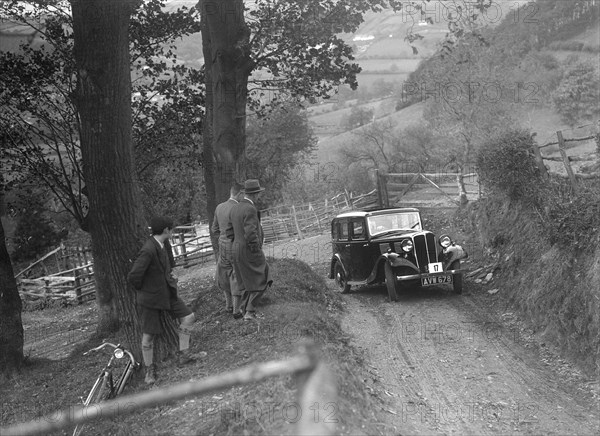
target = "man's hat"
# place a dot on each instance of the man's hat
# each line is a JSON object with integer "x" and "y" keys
{"x": 252, "y": 186}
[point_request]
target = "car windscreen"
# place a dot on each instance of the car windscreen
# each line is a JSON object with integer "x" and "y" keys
{"x": 394, "y": 221}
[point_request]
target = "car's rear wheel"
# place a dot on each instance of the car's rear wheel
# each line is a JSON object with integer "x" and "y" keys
{"x": 457, "y": 279}
{"x": 390, "y": 282}
{"x": 340, "y": 278}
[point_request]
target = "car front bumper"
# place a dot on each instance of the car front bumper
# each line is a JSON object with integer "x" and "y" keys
{"x": 427, "y": 275}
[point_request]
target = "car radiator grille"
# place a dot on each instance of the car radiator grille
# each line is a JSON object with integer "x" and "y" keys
{"x": 425, "y": 250}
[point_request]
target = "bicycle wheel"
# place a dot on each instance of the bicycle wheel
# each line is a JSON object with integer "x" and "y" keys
{"x": 99, "y": 392}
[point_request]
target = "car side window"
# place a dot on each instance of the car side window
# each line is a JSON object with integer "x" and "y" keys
{"x": 343, "y": 231}
{"x": 358, "y": 230}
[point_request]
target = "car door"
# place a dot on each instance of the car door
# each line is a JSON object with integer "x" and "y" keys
{"x": 339, "y": 239}
{"x": 358, "y": 249}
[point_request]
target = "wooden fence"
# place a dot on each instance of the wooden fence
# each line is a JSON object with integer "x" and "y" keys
{"x": 65, "y": 273}
{"x": 566, "y": 159}
{"x": 313, "y": 380}
{"x": 191, "y": 245}
{"x": 299, "y": 221}
{"x": 399, "y": 189}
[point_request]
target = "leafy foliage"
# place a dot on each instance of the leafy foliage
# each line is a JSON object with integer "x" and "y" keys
{"x": 34, "y": 233}
{"x": 576, "y": 98}
{"x": 298, "y": 48}
{"x": 358, "y": 116}
{"x": 39, "y": 125}
{"x": 574, "y": 222}
{"x": 507, "y": 167}
{"x": 276, "y": 146}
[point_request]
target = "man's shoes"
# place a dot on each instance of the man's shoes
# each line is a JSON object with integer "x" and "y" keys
{"x": 186, "y": 356}
{"x": 250, "y": 316}
{"x": 150, "y": 374}
{"x": 238, "y": 315}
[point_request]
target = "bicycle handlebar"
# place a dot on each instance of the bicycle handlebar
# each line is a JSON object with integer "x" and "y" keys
{"x": 100, "y": 347}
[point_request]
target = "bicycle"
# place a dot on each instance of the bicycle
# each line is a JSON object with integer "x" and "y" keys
{"x": 104, "y": 388}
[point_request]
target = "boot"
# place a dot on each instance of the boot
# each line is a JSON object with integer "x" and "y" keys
{"x": 150, "y": 374}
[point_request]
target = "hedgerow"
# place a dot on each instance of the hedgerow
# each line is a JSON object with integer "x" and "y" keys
{"x": 507, "y": 167}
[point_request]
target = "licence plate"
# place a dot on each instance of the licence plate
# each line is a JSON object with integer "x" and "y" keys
{"x": 436, "y": 280}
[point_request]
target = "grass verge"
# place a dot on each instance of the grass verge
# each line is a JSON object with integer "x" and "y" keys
{"x": 298, "y": 308}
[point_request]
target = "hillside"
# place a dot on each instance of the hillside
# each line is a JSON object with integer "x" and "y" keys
{"x": 330, "y": 146}
{"x": 388, "y": 57}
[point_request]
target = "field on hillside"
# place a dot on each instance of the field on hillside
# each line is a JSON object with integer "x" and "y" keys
{"x": 330, "y": 146}
{"x": 388, "y": 65}
{"x": 327, "y": 123}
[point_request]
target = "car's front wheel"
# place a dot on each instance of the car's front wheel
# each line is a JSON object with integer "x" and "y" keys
{"x": 390, "y": 282}
{"x": 340, "y": 278}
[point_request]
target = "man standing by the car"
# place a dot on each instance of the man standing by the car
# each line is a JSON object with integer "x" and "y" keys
{"x": 249, "y": 261}
{"x": 222, "y": 230}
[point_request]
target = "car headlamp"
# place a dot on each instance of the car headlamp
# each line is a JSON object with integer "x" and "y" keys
{"x": 445, "y": 241}
{"x": 119, "y": 353}
{"x": 407, "y": 245}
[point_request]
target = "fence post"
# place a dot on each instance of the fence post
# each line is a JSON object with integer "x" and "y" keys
{"x": 379, "y": 193}
{"x": 183, "y": 250}
{"x": 565, "y": 158}
{"x": 317, "y": 395}
{"x": 540, "y": 162}
{"x": 78, "y": 286}
{"x": 296, "y": 222}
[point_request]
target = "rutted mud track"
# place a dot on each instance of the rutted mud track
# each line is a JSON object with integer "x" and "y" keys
{"x": 439, "y": 365}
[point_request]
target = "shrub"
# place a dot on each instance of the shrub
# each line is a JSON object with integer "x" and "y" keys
{"x": 34, "y": 233}
{"x": 574, "y": 223}
{"x": 507, "y": 167}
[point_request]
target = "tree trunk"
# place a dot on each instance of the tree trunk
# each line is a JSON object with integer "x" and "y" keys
{"x": 11, "y": 326}
{"x": 103, "y": 100}
{"x": 225, "y": 41}
{"x": 208, "y": 156}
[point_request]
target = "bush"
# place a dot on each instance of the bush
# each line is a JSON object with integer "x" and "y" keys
{"x": 507, "y": 167}
{"x": 574, "y": 223}
{"x": 34, "y": 234}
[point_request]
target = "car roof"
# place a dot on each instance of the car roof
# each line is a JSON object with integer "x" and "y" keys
{"x": 366, "y": 213}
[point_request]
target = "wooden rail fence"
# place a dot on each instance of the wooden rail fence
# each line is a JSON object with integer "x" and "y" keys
{"x": 299, "y": 221}
{"x": 392, "y": 188}
{"x": 313, "y": 380}
{"x": 65, "y": 273}
{"x": 566, "y": 159}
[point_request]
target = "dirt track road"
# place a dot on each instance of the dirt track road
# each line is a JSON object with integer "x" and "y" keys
{"x": 440, "y": 363}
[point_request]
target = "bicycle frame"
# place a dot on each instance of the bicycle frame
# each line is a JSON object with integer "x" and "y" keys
{"x": 105, "y": 378}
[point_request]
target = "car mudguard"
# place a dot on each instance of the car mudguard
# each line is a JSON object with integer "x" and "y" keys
{"x": 336, "y": 258}
{"x": 395, "y": 260}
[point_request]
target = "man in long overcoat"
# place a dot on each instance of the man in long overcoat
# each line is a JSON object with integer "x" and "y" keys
{"x": 156, "y": 291}
{"x": 248, "y": 258}
{"x": 222, "y": 231}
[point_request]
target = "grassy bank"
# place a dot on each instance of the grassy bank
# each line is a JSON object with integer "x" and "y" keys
{"x": 298, "y": 308}
{"x": 551, "y": 276}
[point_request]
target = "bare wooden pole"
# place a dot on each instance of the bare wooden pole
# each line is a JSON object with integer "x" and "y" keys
{"x": 126, "y": 405}
{"x": 540, "y": 162}
{"x": 563, "y": 153}
{"x": 296, "y": 222}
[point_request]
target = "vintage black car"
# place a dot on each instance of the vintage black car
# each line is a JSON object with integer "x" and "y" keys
{"x": 391, "y": 246}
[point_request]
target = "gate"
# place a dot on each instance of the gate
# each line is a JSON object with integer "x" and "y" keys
{"x": 442, "y": 188}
